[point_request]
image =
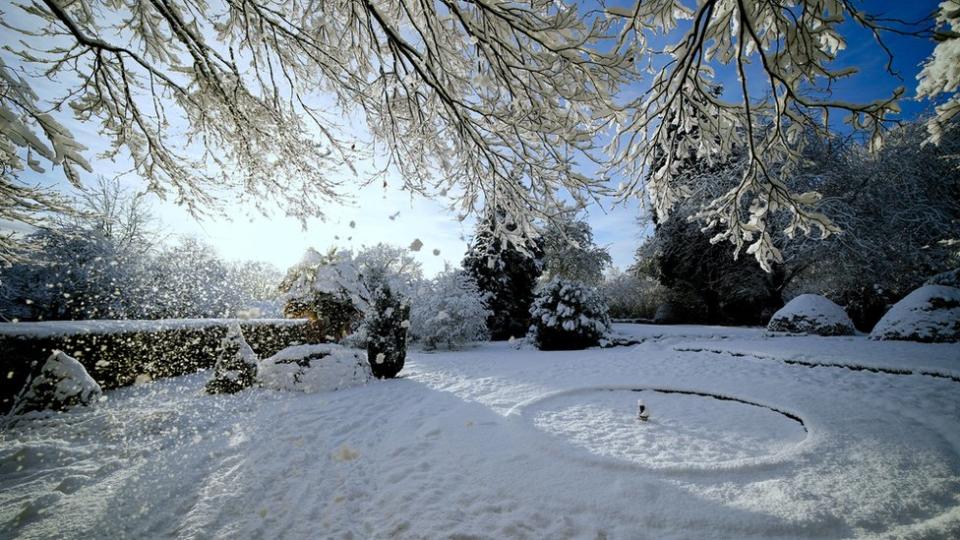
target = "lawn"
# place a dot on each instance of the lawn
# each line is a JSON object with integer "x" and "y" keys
{"x": 749, "y": 436}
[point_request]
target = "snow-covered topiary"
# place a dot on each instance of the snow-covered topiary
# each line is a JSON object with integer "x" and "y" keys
{"x": 448, "y": 311}
{"x": 315, "y": 368}
{"x": 568, "y": 315}
{"x": 930, "y": 313}
{"x": 236, "y": 366}
{"x": 61, "y": 383}
{"x": 811, "y": 314}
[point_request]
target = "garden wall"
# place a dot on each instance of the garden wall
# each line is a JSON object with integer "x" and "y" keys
{"x": 115, "y": 353}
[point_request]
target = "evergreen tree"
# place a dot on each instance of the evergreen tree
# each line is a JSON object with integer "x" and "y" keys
{"x": 386, "y": 326}
{"x": 506, "y": 275}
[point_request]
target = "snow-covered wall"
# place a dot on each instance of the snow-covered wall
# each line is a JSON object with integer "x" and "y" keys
{"x": 118, "y": 353}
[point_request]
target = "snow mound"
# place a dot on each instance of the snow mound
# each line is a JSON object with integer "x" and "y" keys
{"x": 929, "y": 314}
{"x": 811, "y": 314}
{"x": 62, "y": 383}
{"x": 315, "y": 368}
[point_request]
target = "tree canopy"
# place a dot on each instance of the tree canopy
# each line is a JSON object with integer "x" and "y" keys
{"x": 485, "y": 102}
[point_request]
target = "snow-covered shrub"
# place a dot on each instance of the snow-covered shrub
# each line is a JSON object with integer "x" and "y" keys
{"x": 60, "y": 384}
{"x": 236, "y": 366}
{"x": 386, "y": 323}
{"x": 950, "y": 278}
{"x": 811, "y": 314}
{"x": 568, "y": 315}
{"x": 448, "y": 311}
{"x": 930, "y": 313}
{"x": 336, "y": 289}
{"x": 315, "y": 368}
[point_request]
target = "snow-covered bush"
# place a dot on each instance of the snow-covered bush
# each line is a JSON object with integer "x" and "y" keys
{"x": 930, "y": 313}
{"x": 315, "y": 368}
{"x": 448, "y": 311}
{"x": 811, "y": 314}
{"x": 236, "y": 366}
{"x": 568, "y": 315}
{"x": 60, "y": 384}
{"x": 336, "y": 289}
{"x": 386, "y": 323}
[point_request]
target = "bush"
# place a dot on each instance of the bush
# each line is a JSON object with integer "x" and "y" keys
{"x": 631, "y": 297}
{"x": 568, "y": 315}
{"x": 448, "y": 311}
{"x": 386, "y": 325}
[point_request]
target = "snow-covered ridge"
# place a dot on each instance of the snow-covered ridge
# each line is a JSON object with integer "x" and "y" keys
{"x": 63, "y": 328}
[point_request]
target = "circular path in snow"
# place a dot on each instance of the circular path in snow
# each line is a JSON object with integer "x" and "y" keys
{"x": 686, "y": 429}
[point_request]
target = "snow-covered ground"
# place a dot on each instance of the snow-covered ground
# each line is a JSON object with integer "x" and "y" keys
{"x": 499, "y": 442}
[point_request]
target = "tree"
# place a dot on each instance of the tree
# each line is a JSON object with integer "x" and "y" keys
{"x": 86, "y": 264}
{"x": 569, "y": 252}
{"x": 629, "y": 296}
{"x": 505, "y": 273}
{"x": 491, "y": 103}
{"x": 940, "y": 74}
{"x": 187, "y": 279}
{"x": 448, "y": 310}
{"x": 898, "y": 210}
{"x": 786, "y": 47}
{"x": 465, "y": 97}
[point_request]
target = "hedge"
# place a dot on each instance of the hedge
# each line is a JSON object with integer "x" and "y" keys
{"x": 115, "y": 353}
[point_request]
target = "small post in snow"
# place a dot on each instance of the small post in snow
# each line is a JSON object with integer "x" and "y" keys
{"x": 642, "y": 413}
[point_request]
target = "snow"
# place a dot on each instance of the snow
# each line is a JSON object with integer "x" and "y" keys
{"x": 811, "y": 314}
{"x": 61, "y": 383}
{"x": 498, "y": 442}
{"x": 930, "y": 313}
{"x": 315, "y": 368}
{"x": 62, "y": 328}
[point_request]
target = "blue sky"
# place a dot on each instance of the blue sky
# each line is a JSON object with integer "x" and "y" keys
{"x": 244, "y": 234}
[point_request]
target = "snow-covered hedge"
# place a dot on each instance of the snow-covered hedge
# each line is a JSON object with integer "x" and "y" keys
{"x": 448, "y": 311}
{"x": 811, "y": 314}
{"x": 315, "y": 368}
{"x": 568, "y": 315}
{"x": 61, "y": 383}
{"x": 115, "y": 353}
{"x": 930, "y": 313}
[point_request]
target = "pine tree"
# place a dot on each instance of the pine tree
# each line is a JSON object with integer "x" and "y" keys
{"x": 505, "y": 275}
